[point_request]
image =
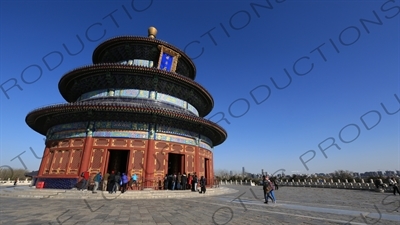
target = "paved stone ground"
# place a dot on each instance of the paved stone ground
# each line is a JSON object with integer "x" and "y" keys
{"x": 295, "y": 205}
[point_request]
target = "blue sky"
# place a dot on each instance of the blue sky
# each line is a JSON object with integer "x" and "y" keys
{"x": 241, "y": 51}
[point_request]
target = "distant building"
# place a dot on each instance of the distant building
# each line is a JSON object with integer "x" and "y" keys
{"x": 390, "y": 173}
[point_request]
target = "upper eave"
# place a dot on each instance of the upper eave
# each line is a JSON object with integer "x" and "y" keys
{"x": 103, "y": 48}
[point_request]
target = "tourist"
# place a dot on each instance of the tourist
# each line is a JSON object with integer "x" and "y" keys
{"x": 268, "y": 188}
{"x": 202, "y": 185}
{"x": 105, "y": 182}
{"x": 16, "y": 181}
{"x": 124, "y": 182}
{"x": 190, "y": 177}
{"x": 117, "y": 182}
{"x": 393, "y": 183}
{"x": 111, "y": 181}
{"x": 265, "y": 188}
{"x": 184, "y": 181}
{"x": 134, "y": 179}
{"x": 275, "y": 184}
{"x": 173, "y": 184}
{"x": 378, "y": 183}
{"x": 195, "y": 181}
{"x": 178, "y": 181}
{"x": 97, "y": 180}
{"x": 85, "y": 179}
{"x": 166, "y": 182}
{"x": 170, "y": 182}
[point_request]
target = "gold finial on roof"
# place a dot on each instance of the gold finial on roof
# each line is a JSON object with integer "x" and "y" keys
{"x": 152, "y": 32}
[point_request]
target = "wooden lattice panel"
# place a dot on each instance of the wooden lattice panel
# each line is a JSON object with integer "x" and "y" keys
{"x": 53, "y": 145}
{"x": 64, "y": 144}
{"x": 97, "y": 159}
{"x": 64, "y": 162}
{"x": 177, "y": 148}
{"x": 77, "y": 142}
{"x": 138, "y": 163}
{"x": 189, "y": 149}
{"x": 138, "y": 159}
{"x": 202, "y": 162}
{"x": 56, "y": 162}
{"x": 75, "y": 161}
{"x": 49, "y": 160}
{"x": 159, "y": 162}
{"x": 190, "y": 163}
{"x": 119, "y": 142}
{"x": 162, "y": 145}
{"x": 101, "y": 142}
{"x": 138, "y": 143}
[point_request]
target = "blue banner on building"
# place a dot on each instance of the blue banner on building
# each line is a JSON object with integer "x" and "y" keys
{"x": 166, "y": 62}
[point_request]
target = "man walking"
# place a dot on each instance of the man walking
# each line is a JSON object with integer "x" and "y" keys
{"x": 393, "y": 183}
{"x": 97, "y": 180}
{"x": 85, "y": 179}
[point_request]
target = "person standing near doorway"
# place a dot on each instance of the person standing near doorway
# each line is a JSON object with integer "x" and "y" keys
{"x": 184, "y": 181}
{"x": 97, "y": 180}
{"x": 124, "y": 180}
{"x": 190, "y": 177}
{"x": 178, "y": 181}
{"x": 202, "y": 185}
{"x": 117, "y": 182}
{"x": 195, "y": 181}
{"x": 110, "y": 183}
{"x": 105, "y": 182}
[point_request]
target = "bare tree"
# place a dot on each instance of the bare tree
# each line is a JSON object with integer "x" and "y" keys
{"x": 11, "y": 173}
{"x": 342, "y": 175}
{"x": 222, "y": 173}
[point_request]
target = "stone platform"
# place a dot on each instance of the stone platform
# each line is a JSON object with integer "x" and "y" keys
{"x": 31, "y": 192}
{"x": 240, "y": 205}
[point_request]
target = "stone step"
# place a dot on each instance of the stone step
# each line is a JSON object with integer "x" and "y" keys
{"x": 75, "y": 194}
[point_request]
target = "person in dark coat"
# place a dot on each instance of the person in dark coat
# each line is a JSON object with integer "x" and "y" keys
{"x": 202, "y": 185}
{"x": 195, "y": 181}
{"x": 117, "y": 183}
{"x": 111, "y": 182}
{"x": 184, "y": 181}
{"x": 170, "y": 182}
{"x": 275, "y": 183}
{"x": 166, "y": 182}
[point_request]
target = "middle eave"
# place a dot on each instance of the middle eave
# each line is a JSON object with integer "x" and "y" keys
{"x": 112, "y": 75}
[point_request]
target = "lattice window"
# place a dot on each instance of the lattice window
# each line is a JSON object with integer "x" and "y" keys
{"x": 97, "y": 158}
{"x": 76, "y": 159}
{"x": 160, "y": 161}
{"x": 177, "y": 148}
{"x": 138, "y": 160}
{"x": 190, "y": 163}
{"x": 49, "y": 159}
{"x": 56, "y": 160}
{"x": 64, "y": 160}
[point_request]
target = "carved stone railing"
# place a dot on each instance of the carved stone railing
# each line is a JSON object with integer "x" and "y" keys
{"x": 322, "y": 184}
{"x": 19, "y": 182}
